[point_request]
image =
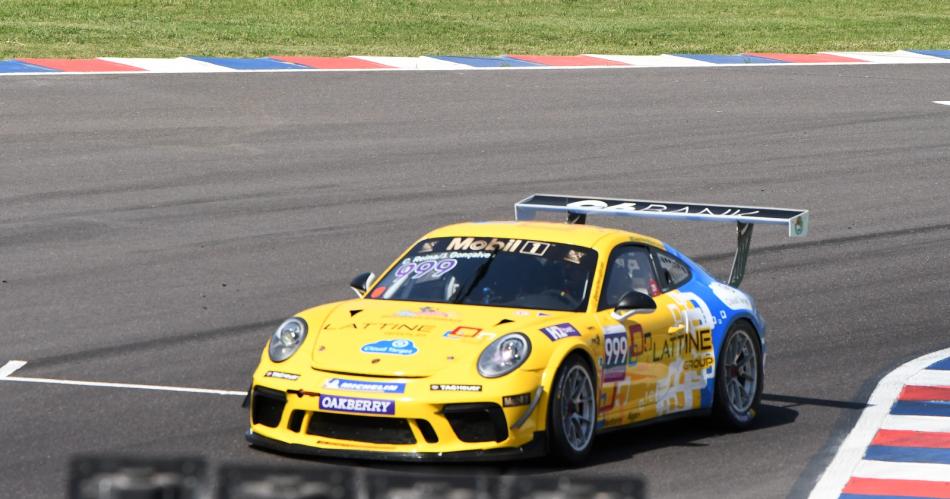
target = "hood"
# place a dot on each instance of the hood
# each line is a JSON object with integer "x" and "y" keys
{"x": 412, "y": 339}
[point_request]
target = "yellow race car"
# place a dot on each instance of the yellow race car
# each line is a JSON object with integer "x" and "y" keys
{"x": 515, "y": 339}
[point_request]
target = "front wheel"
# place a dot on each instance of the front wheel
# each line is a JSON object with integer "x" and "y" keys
{"x": 738, "y": 378}
{"x": 572, "y": 413}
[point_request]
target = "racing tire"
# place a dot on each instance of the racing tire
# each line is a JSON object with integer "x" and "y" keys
{"x": 572, "y": 412}
{"x": 739, "y": 378}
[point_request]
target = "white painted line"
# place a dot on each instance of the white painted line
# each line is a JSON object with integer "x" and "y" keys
{"x": 942, "y": 102}
{"x": 175, "y": 65}
{"x": 930, "y": 377}
{"x": 852, "y": 450}
{"x": 413, "y": 62}
{"x": 13, "y": 365}
{"x": 889, "y": 470}
{"x": 896, "y": 57}
{"x": 654, "y": 61}
{"x": 916, "y": 423}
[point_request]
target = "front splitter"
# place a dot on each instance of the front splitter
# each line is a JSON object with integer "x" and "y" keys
{"x": 536, "y": 448}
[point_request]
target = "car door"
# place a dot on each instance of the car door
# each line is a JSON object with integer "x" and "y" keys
{"x": 633, "y": 361}
{"x": 688, "y": 354}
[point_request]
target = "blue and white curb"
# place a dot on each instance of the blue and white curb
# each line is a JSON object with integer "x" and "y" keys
{"x": 194, "y": 64}
{"x": 900, "y": 446}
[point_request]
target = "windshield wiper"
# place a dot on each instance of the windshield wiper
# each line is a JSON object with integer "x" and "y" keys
{"x": 479, "y": 275}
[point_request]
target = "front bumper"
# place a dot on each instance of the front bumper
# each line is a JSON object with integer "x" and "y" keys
{"x": 535, "y": 448}
{"x": 312, "y": 415}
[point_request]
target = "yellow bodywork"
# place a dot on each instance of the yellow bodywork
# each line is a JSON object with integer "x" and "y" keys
{"x": 337, "y": 331}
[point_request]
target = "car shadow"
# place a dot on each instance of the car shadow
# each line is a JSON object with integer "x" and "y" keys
{"x": 775, "y": 410}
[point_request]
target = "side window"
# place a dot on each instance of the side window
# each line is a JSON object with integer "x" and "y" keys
{"x": 628, "y": 269}
{"x": 673, "y": 273}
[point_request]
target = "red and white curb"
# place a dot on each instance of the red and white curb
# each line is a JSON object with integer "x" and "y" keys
{"x": 900, "y": 446}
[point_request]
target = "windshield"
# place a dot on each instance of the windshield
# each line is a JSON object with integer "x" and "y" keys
{"x": 494, "y": 272}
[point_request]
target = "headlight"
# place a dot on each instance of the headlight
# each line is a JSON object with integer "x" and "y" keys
{"x": 287, "y": 339}
{"x": 504, "y": 355}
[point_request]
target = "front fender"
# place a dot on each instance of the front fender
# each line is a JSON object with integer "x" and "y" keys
{"x": 560, "y": 352}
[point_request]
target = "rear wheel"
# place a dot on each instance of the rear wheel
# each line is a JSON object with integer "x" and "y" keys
{"x": 572, "y": 412}
{"x": 739, "y": 378}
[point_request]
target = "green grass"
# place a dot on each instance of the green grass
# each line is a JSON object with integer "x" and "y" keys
{"x": 154, "y": 28}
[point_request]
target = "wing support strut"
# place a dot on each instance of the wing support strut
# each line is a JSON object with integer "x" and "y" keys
{"x": 744, "y": 236}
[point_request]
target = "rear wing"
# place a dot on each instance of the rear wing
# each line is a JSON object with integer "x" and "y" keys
{"x": 577, "y": 208}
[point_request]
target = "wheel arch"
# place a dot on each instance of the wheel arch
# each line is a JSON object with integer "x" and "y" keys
{"x": 555, "y": 362}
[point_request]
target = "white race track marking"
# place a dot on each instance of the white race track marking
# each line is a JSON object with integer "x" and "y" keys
{"x": 917, "y": 423}
{"x": 666, "y": 61}
{"x": 851, "y": 452}
{"x": 14, "y": 365}
{"x": 896, "y": 57}
{"x": 413, "y": 62}
{"x": 10, "y": 368}
{"x": 176, "y": 65}
{"x": 889, "y": 470}
{"x": 942, "y": 102}
{"x": 930, "y": 378}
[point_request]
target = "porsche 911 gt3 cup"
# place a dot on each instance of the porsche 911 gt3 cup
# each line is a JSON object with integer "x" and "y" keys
{"x": 514, "y": 339}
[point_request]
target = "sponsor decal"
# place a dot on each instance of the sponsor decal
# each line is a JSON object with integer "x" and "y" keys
{"x": 607, "y": 397}
{"x": 616, "y": 354}
{"x": 393, "y": 327}
{"x": 699, "y": 364}
{"x": 681, "y": 388}
{"x": 427, "y": 247}
{"x": 378, "y": 292}
{"x": 637, "y": 342}
{"x": 280, "y": 375}
{"x": 683, "y": 345}
{"x": 484, "y": 335}
{"x": 731, "y": 297}
{"x": 425, "y": 312}
{"x": 356, "y": 405}
{"x": 574, "y": 256}
{"x": 516, "y": 400}
{"x": 391, "y": 347}
{"x": 684, "y": 209}
{"x": 455, "y": 388}
{"x": 560, "y": 331}
{"x": 353, "y": 385}
{"x": 432, "y": 312}
{"x": 535, "y": 248}
{"x": 463, "y": 332}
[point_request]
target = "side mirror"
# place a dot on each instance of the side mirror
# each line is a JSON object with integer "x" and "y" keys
{"x": 631, "y": 303}
{"x": 361, "y": 283}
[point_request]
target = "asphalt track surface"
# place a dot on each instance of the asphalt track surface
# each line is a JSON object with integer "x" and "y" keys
{"x": 154, "y": 229}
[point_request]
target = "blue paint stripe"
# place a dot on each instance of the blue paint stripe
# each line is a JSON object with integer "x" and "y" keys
{"x": 936, "y": 53}
{"x": 253, "y": 63}
{"x": 14, "y": 66}
{"x": 731, "y": 59}
{"x": 907, "y": 454}
{"x": 486, "y": 62}
{"x": 943, "y": 365}
{"x": 865, "y": 496}
{"x": 914, "y": 408}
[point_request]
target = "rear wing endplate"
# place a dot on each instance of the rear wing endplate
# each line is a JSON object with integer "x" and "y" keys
{"x": 577, "y": 208}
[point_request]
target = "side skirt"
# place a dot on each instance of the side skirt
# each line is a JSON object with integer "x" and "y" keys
{"x": 657, "y": 420}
